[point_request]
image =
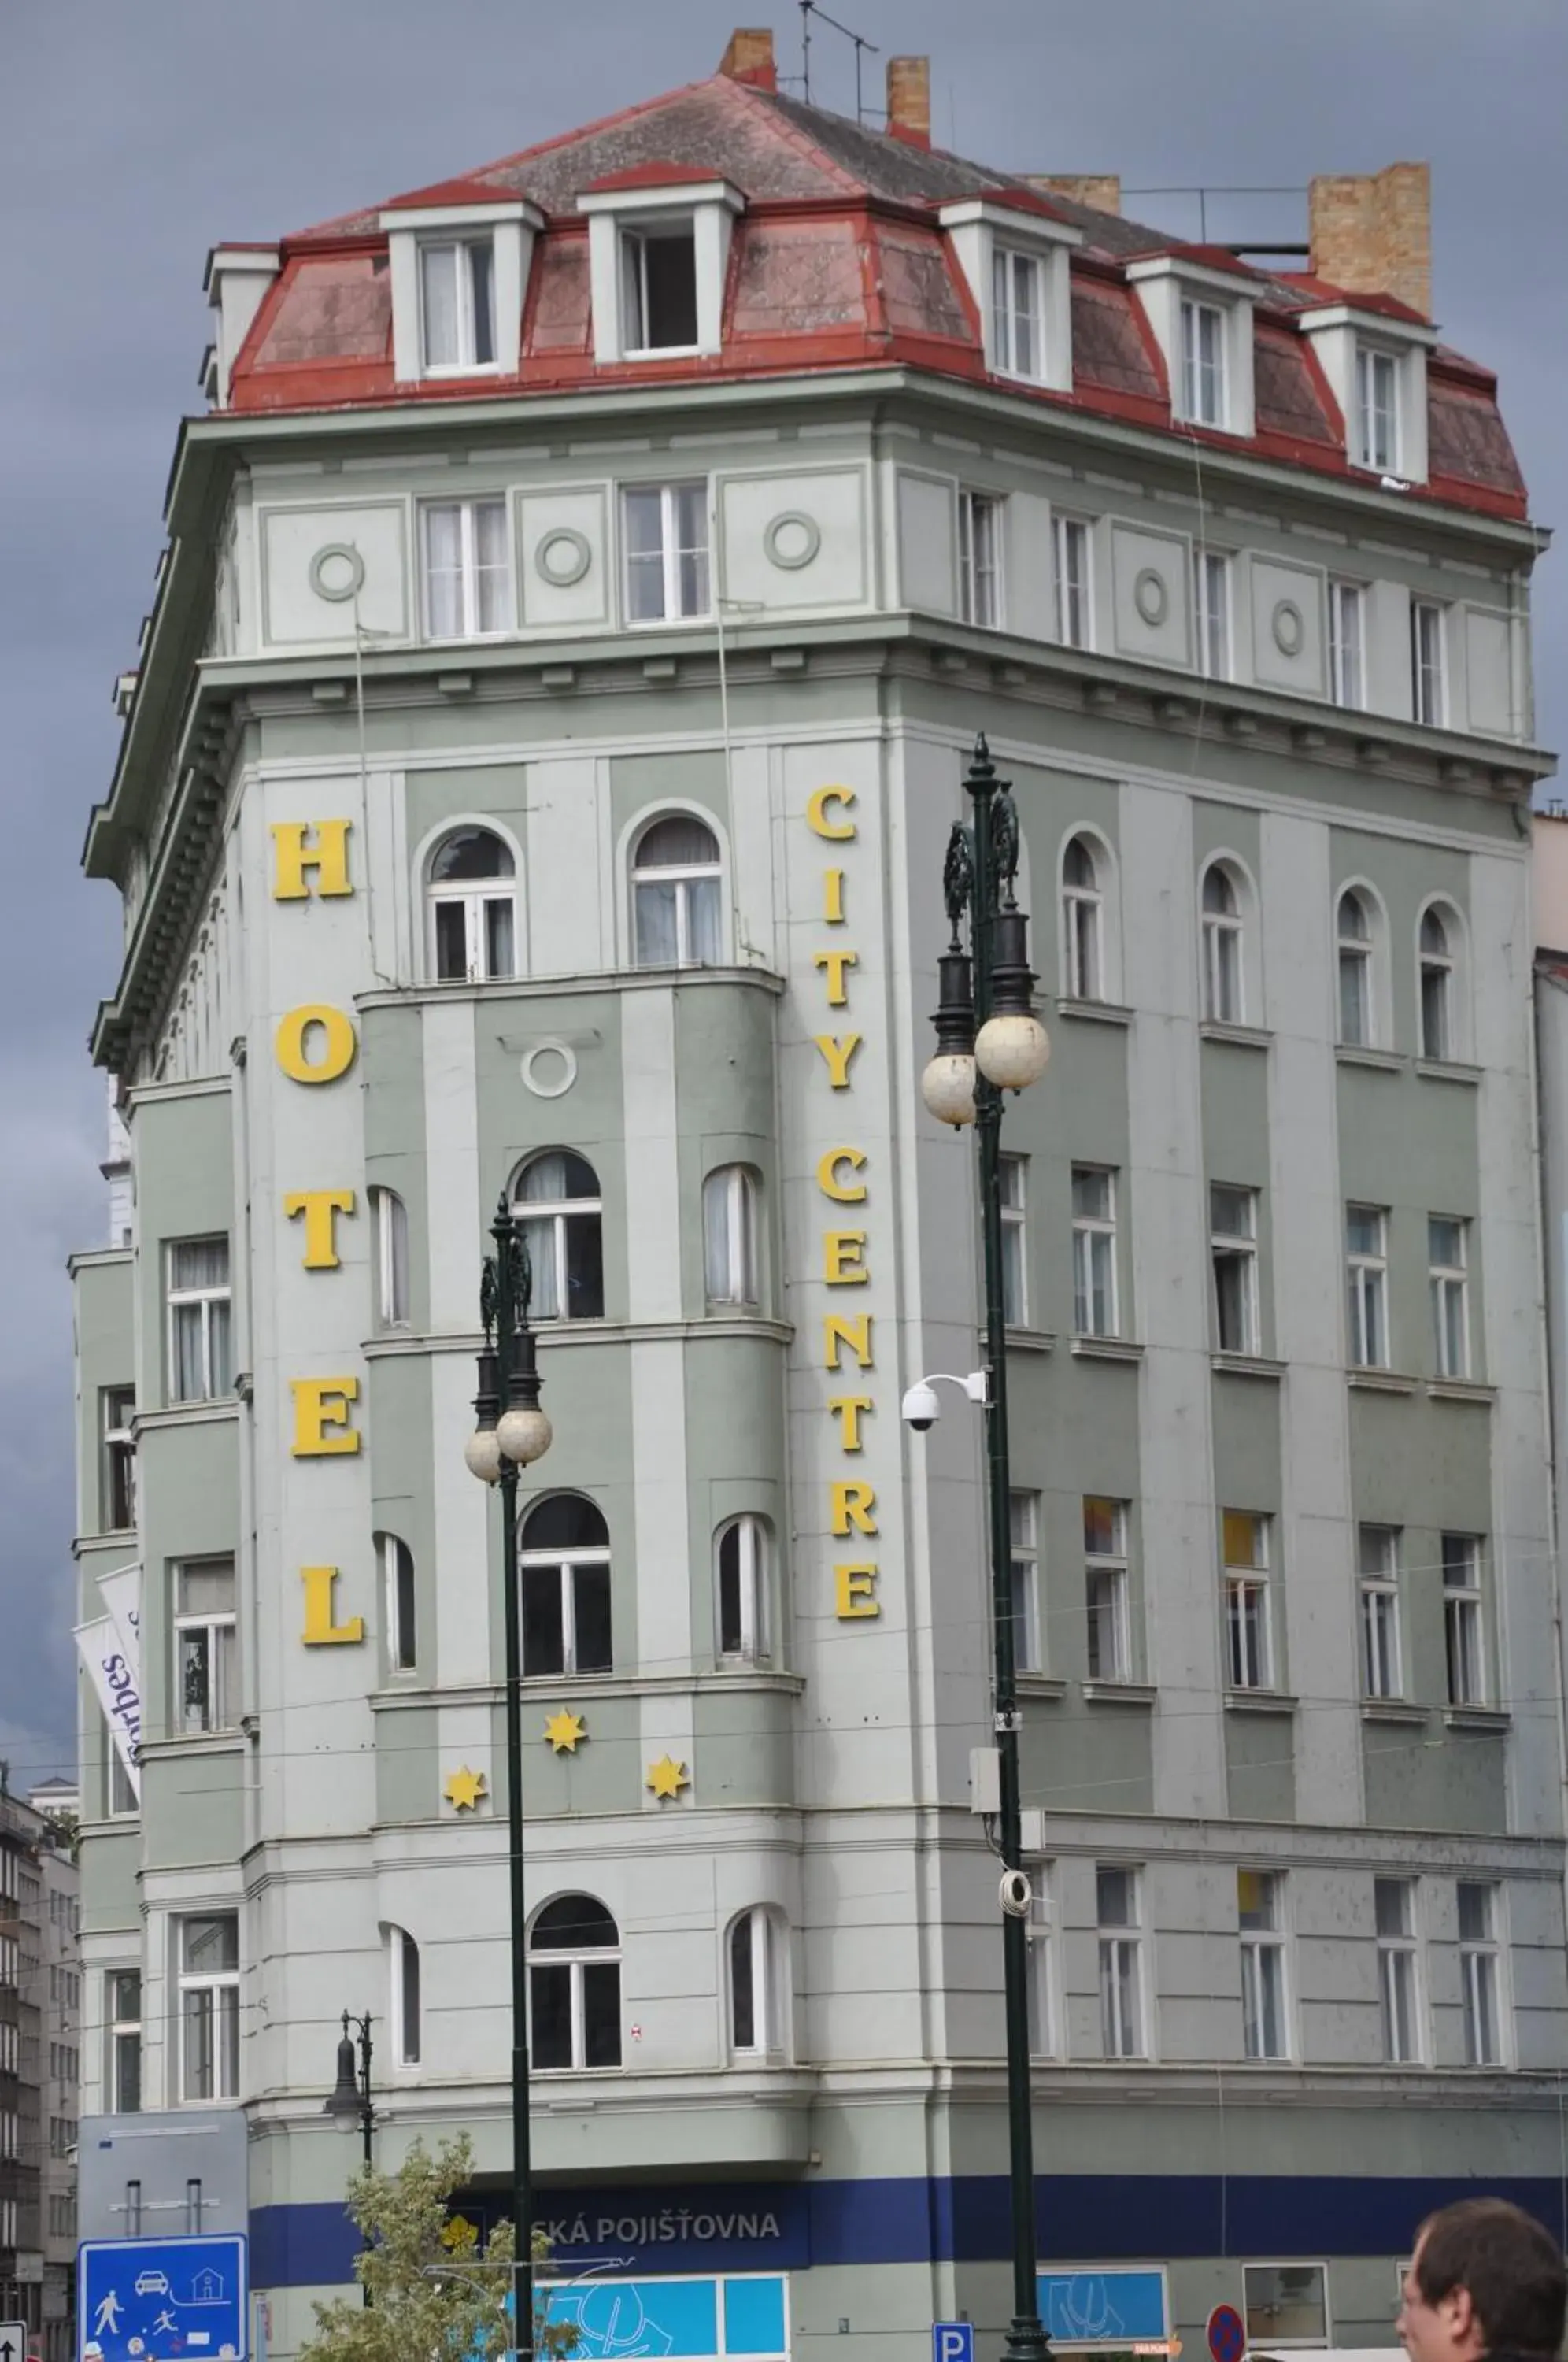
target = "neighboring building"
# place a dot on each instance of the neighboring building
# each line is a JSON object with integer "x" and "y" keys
{"x": 56, "y": 1804}
{"x": 39, "y": 2045}
{"x": 579, "y": 605}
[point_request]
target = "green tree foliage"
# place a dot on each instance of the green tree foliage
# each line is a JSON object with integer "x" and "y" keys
{"x": 436, "y": 2293}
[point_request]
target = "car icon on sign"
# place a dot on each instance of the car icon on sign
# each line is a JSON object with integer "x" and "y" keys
{"x": 151, "y": 2284}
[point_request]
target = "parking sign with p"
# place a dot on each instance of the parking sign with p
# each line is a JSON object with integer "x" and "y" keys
{"x": 952, "y": 2341}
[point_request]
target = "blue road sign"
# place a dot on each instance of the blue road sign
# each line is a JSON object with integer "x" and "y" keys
{"x": 952, "y": 2341}
{"x": 162, "y": 2300}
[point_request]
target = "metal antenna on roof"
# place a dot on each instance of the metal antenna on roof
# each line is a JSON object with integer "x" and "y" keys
{"x": 809, "y": 9}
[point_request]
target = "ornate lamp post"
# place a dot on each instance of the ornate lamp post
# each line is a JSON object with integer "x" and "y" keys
{"x": 512, "y": 1431}
{"x": 350, "y": 2101}
{"x": 989, "y": 1041}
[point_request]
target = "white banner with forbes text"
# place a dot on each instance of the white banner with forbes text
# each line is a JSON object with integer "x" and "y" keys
{"x": 115, "y": 1680}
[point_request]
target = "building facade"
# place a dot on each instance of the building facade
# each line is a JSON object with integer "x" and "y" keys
{"x": 581, "y": 600}
{"x": 40, "y": 2048}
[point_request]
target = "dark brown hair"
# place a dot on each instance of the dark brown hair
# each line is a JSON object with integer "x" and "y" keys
{"x": 1512, "y": 2268}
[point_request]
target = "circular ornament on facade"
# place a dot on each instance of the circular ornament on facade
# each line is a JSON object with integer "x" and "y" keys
{"x": 1288, "y": 628}
{"x": 550, "y": 1070}
{"x": 563, "y": 555}
{"x": 336, "y": 572}
{"x": 792, "y": 539}
{"x": 1151, "y": 598}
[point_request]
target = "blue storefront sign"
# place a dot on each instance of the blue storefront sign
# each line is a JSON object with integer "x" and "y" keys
{"x": 699, "y": 2319}
{"x": 161, "y": 2299}
{"x": 1103, "y": 2307}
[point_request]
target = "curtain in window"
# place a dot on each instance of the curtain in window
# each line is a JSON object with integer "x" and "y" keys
{"x": 439, "y": 272}
{"x": 444, "y": 572}
{"x": 490, "y": 566}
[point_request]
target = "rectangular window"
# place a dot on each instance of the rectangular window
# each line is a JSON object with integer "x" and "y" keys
{"x": 1038, "y": 1929}
{"x": 1070, "y": 559}
{"x": 1024, "y": 1512}
{"x": 405, "y": 1998}
{"x": 1017, "y": 314}
{"x": 1095, "y": 1310}
{"x": 1377, "y": 410}
{"x": 401, "y": 1603}
{"x": 1105, "y": 1589}
{"x": 1259, "y": 1909}
{"x": 659, "y": 289}
{"x": 979, "y": 558}
{"x": 1203, "y": 364}
{"x": 1120, "y": 1981}
{"x": 1347, "y": 628}
{"x": 1286, "y": 2304}
{"x": 1382, "y": 1672}
{"x": 1462, "y": 1619}
{"x": 1015, "y": 1273}
{"x": 457, "y": 302}
{"x": 204, "y": 1644}
{"x": 666, "y": 552}
{"x": 116, "y": 1504}
{"x": 1233, "y": 1247}
{"x": 208, "y": 1980}
{"x": 1428, "y": 691}
{"x": 389, "y": 1223}
{"x": 1211, "y": 612}
{"x": 467, "y": 569}
{"x": 1394, "y": 1903}
{"x": 1366, "y": 1282}
{"x": 1248, "y": 1635}
{"x": 566, "y": 1616}
{"x": 200, "y": 1366}
{"x": 1448, "y": 1259}
{"x": 1478, "y": 1973}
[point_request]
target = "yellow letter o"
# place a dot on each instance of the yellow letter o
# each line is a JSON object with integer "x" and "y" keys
{"x": 340, "y": 1043}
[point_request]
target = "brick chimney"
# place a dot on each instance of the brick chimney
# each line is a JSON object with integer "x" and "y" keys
{"x": 749, "y": 57}
{"x": 1371, "y": 233}
{"x": 909, "y": 99}
{"x": 1100, "y": 191}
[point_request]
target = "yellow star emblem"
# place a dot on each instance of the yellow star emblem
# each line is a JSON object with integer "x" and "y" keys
{"x": 667, "y": 1778}
{"x": 563, "y": 1731}
{"x": 463, "y": 1789}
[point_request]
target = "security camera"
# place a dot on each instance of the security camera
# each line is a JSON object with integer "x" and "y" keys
{"x": 921, "y": 1408}
{"x": 1016, "y": 1895}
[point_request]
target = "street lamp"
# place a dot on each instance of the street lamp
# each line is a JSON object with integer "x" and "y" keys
{"x": 512, "y": 1431}
{"x": 348, "y": 2103}
{"x": 988, "y": 1040}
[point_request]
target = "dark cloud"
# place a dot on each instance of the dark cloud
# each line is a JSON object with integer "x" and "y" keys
{"x": 133, "y": 137}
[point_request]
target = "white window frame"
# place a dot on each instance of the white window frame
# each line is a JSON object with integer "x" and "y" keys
{"x": 220, "y": 1630}
{"x": 1238, "y": 1248}
{"x": 1010, "y": 263}
{"x": 1224, "y": 935}
{"x": 403, "y": 1956}
{"x": 1123, "y": 2028}
{"x": 632, "y": 243}
{"x": 1374, "y": 362}
{"x": 575, "y": 1961}
{"x": 1356, "y": 956}
{"x": 1481, "y": 1976}
{"x": 467, "y": 363}
{"x": 753, "y": 1577}
{"x": 1041, "y": 1989}
{"x": 760, "y": 1931}
{"x": 1249, "y": 1605}
{"x": 1013, "y": 1190}
{"x": 1263, "y": 2341}
{"x": 1464, "y": 1619}
{"x": 1429, "y": 663}
{"x": 566, "y": 1558}
{"x": 402, "y": 1646}
{"x": 1440, "y": 968}
{"x": 1072, "y": 572}
{"x": 474, "y": 895}
{"x": 980, "y": 561}
{"x": 1083, "y": 923}
{"x": 1111, "y": 1566}
{"x": 1450, "y": 1286}
{"x": 1023, "y": 1566}
{"x": 207, "y": 1297}
{"x": 682, "y": 876}
{"x": 555, "y": 1213}
{"x": 1211, "y": 611}
{"x": 670, "y": 554}
{"x": 469, "y": 570}
{"x": 1400, "y": 1974}
{"x": 1382, "y": 1641}
{"x": 1262, "y": 1959}
{"x": 216, "y": 1992}
{"x": 1368, "y": 1345}
{"x": 118, "y": 1463}
{"x": 1205, "y": 381}
{"x": 1347, "y": 645}
{"x": 1095, "y": 1255}
{"x": 388, "y": 1225}
{"x": 741, "y": 1238}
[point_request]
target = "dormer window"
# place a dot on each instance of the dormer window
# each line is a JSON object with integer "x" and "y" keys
{"x": 1017, "y": 313}
{"x": 1201, "y": 318}
{"x": 1016, "y": 263}
{"x": 1377, "y": 409}
{"x": 1203, "y": 363}
{"x": 457, "y": 307}
{"x": 1374, "y": 355}
{"x": 659, "y": 289}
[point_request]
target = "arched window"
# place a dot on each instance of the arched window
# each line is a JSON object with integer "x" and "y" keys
{"x": 574, "y": 1985}
{"x": 1223, "y": 1001}
{"x": 398, "y": 1602}
{"x": 1356, "y": 1023}
{"x": 1438, "y": 962}
{"x": 675, "y": 894}
{"x": 756, "y": 1951}
{"x": 388, "y": 1226}
{"x": 1083, "y": 923}
{"x": 729, "y": 1236}
{"x": 472, "y": 907}
{"x": 743, "y": 1573}
{"x": 564, "y": 1571}
{"x": 557, "y": 1195}
{"x": 405, "y": 2011}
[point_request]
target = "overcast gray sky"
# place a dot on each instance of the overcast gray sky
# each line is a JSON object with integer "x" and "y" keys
{"x": 132, "y": 137}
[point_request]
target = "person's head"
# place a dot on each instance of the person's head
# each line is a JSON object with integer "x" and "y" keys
{"x": 1485, "y": 2279}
